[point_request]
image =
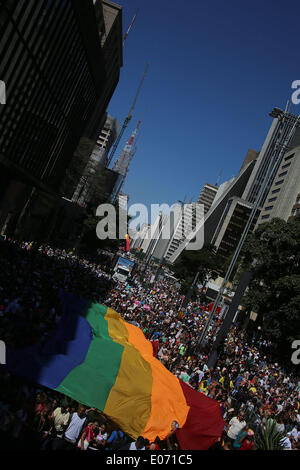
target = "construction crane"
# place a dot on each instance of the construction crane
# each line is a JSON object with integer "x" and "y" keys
{"x": 127, "y": 119}
{"x": 130, "y": 26}
{"x": 219, "y": 178}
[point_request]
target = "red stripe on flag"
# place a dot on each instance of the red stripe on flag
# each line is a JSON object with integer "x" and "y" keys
{"x": 204, "y": 423}
{"x": 155, "y": 346}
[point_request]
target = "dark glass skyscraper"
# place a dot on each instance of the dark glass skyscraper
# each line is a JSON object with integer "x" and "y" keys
{"x": 52, "y": 60}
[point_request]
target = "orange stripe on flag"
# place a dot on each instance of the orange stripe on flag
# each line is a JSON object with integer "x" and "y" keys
{"x": 168, "y": 402}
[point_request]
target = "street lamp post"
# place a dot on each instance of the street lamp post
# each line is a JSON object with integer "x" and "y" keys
{"x": 191, "y": 289}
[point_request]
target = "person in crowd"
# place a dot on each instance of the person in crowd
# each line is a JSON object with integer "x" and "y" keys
{"x": 116, "y": 440}
{"x": 88, "y": 437}
{"x": 75, "y": 426}
{"x": 247, "y": 442}
{"x": 61, "y": 417}
{"x": 100, "y": 440}
{"x": 139, "y": 444}
{"x": 235, "y": 425}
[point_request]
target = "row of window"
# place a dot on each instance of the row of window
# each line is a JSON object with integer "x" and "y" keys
{"x": 289, "y": 157}
{"x": 48, "y": 83}
{"x": 278, "y": 183}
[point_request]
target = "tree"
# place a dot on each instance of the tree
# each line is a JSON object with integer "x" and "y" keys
{"x": 268, "y": 437}
{"x": 90, "y": 242}
{"x": 206, "y": 261}
{"x": 272, "y": 254}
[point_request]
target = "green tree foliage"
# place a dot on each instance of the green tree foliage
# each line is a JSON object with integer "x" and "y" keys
{"x": 90, "y": 242}
{"x": 206, "y": 261}
{"x": 272, "y": 254}
{"x": 268, "y": 437}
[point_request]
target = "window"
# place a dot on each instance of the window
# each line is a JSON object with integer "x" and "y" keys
{"x": 272, "y": 199}
{"x": 285, "y": 166}
{"x": 289, "y": 157}
{"x": 282, "y": 174}
{"x": 269, "y": 208}
{"x": 276, "y": 191}
{"x": 279, "y": 182}
{"x": 266, "y": 216}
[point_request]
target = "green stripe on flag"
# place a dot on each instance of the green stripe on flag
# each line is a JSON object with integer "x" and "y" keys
{"x": 90, "y": 383}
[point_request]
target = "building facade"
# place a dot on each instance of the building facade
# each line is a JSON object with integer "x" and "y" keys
{"x": 283, "y": 199}
{"x": 235, "y": 198}
{"x": 207, "y": 196}
{"x": 234, "y": 187}
{"x": 189, "y": 216}
{"x": 85, "y": 189}
{"x": 231, "y": 226}
{"x": 105, "y": 141}
{"x": 271, "y": 152}
{"x": 53, "y": 65}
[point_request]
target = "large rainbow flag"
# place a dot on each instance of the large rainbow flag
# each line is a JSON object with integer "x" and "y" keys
{"x": 102, "y": 361}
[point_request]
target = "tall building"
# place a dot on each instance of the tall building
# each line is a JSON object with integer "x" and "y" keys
{"x": 237, "y": 210}
{"x": 85, "y": 188}
{"x": 145, "y": 238}
{"x": 156, "y": 233}
{"x": 53, "y": 59}
{"x": 283, "y": 199}
{"x": 187, "y": 219}
{"x": 167, "y": 233}
{"x": 112, "y": 49}
{"x": 251, "y": 155}
{"x": 207, "y": 196}
{"x": 231, "y": 226}
{"x": 228, "y": 215}
{"x": 140, "y": 236}
{"x": 104, "y": 142}
{"x": 123, "y": 201}
{"x": 210, "y": 222}
{"x": 271, "y": 151}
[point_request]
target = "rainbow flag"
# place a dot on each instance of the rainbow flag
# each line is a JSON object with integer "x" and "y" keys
{"x": 127, "y": 243}
{"x": 100, "y": 360}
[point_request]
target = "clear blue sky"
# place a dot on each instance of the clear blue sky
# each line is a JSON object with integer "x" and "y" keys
{"x": 217, "y": 68}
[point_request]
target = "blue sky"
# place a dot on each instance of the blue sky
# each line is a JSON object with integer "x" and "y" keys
{"x": 216, "y": 71}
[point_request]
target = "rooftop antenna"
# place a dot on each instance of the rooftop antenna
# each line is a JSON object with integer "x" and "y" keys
{"x": 287, "y": 107}
{"x": 130, "y": 26}
{"x": 127, "y": 119}
{"x": 219, "y": 177}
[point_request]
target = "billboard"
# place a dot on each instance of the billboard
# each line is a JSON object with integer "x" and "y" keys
{"x": 124, "y": 262}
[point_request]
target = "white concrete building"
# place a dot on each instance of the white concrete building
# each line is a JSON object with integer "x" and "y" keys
{"x": 283, "y": 199}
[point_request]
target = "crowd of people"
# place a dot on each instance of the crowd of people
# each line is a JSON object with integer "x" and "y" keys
{"x": 245, "y": 382}
{"x": 248, "y": 385}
